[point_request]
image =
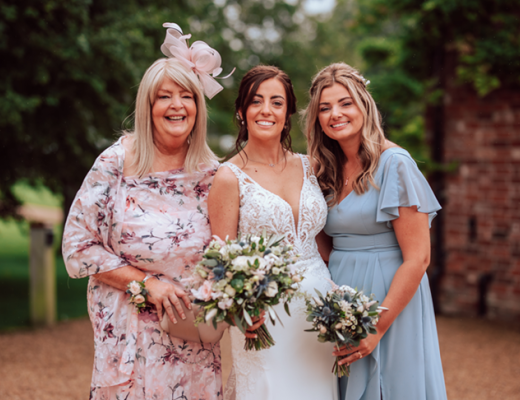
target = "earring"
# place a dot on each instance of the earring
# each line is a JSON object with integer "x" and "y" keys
{"x": 242, "y": 122}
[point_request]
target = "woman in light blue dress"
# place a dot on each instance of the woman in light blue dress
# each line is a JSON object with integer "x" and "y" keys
{"x": 380, "y": 210}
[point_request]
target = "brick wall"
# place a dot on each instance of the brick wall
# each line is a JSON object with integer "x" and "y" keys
{"x": 482, "y": 201}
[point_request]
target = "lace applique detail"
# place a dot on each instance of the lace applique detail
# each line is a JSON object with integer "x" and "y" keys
{"x": 261, "y": 209}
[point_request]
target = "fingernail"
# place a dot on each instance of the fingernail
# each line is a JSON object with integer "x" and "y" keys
{"x": 174, "y": 321}
{"x": 183, "y": 316}
{"x": 189, "y": 307}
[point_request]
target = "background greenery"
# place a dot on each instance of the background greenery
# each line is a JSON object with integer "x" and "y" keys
{"x": 70, "y": 71}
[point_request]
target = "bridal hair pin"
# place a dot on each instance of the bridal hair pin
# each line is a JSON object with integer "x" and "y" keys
{"x": 365, "y": 81}
{"x": 200, "y": 58}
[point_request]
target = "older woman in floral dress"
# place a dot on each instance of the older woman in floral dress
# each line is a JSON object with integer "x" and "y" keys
{"x": 140, "y": 221}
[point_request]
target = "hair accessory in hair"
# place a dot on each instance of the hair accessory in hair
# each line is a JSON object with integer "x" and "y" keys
{"x": 365, "y": 81}
{"x": 201, "y": 58}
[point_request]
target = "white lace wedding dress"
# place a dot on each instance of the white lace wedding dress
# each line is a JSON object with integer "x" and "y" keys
{"x": 297, "y": 366}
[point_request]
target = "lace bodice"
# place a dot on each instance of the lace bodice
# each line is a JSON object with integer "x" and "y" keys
{"x": 261, "y": 209}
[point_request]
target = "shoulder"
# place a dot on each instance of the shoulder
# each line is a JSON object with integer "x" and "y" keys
{"x": 225, "y": 176}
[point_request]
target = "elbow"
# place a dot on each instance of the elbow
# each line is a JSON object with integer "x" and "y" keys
{"x": 425, "y": 262}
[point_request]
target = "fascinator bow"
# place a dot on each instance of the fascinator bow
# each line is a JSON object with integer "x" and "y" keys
{"x": 200, "y": 58}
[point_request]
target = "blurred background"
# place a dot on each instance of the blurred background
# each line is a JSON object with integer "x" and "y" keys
{"x": 444, "y": 74}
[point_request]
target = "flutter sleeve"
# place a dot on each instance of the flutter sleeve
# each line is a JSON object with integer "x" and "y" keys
{"x": 403, "y": 185}
{"x": 87, "y": 246}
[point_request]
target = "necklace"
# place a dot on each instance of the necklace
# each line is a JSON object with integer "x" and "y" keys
{"x": 270, "y": 164}
{"x": 348, "y": 177}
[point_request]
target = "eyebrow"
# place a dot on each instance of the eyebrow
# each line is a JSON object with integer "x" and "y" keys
{"x": 340, "y": 100}
{"x": 277, "y": 96}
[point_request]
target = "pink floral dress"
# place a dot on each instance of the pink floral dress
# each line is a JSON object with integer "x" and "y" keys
{"x": 158, "y": 224}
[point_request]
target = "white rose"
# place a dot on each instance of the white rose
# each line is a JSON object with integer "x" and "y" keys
{"x": 297, "y": 278}
{"x": 360, "y": 308}
{"x": 323, "y": 330}
{"x": 224, "y": 250}
{"x": 276, "y": 270}
{"x": 235, "y": 248}
{"x": 230, "y": 291}
{"x": 240, "y": 263}
{"x": 139, "y": 299}
{"x": 134, "y": 287}
{"x": 225, "y": 304}
{"x": 272, "y": 289}
{"x": 338, "y": 326}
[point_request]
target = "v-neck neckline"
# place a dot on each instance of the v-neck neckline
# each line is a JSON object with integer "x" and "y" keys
{"x": 377, "y": 171}
{"x": 294, "y": 226}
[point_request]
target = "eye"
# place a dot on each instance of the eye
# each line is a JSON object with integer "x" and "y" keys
{"x": 255, "y": 102}
{"x": 164, "y": 96}
{"x": 278, "y": 103}
{"x": 323, "y": 109}
{"x": 348, "y": 103}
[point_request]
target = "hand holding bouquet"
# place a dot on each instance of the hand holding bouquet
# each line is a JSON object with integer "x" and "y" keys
{"x": 244, "y": 277}
{"x": 343, "y": 316}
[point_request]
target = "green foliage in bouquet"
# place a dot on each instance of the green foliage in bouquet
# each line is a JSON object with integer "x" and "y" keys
{"x": 243, "y": 278}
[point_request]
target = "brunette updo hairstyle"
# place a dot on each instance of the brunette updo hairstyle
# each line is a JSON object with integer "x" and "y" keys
{"x": 246, "y": 92}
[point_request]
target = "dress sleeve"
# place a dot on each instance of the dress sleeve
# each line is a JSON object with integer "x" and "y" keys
{"x": 87, "y": 248}
{"x": 403, "y": 185}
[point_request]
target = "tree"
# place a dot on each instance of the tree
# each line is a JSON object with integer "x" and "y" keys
{"x": 71, "y": 69}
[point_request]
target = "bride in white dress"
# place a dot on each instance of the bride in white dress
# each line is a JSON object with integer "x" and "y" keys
{"x": 266, "y": 186}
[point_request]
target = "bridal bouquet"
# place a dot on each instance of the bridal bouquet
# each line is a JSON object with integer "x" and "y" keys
{"x": 244, "y": 277}
{"x": 343, "y": 316}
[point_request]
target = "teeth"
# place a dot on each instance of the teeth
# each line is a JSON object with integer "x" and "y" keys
{"x": 175, "y": 118}
{"x": 266, "y": 123}
{"x": 342, "y": 124}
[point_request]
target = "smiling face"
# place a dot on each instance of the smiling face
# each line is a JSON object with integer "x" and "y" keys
{"x": 267, "y": 113}
{"x": 340, "y": 118}
{"x": 174, "y": 112}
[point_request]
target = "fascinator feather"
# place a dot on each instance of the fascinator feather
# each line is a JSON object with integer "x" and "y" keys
{"x": 200, "y": 58}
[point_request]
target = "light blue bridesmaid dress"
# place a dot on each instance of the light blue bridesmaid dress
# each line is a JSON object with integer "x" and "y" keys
{"x": 406, "y": 364}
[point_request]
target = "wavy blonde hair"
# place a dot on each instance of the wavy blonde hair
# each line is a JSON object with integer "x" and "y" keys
{"x": 327, "y": 152}
{"x": 143, "y": 146}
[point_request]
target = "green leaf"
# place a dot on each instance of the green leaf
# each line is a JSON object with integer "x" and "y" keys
{"x": 239, "y": 324}
{"x": 247, "y": 318}
{"x": 286, "y": 307}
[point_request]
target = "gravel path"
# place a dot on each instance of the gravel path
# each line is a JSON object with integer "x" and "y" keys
{"x": 481, "y": 361}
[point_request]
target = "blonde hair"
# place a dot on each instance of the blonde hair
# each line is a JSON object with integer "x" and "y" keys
{"x": 143, "y": 145}
{"x": 327, "y": 152}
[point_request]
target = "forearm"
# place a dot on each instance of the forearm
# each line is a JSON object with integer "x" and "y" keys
{"x": 404, "y": 286}
{"x": 121, "y": 277}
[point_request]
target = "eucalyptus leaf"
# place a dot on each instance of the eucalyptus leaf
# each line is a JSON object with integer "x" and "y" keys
{"x": 247, "y": 318}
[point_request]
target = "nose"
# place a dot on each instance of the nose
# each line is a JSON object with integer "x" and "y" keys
{"x": 266, "y": 108}
{"x": 336, "y": 111}
{"x": 176, "y": 102}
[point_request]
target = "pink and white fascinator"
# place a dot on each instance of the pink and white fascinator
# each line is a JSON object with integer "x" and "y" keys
{"x": 200, "y": 58}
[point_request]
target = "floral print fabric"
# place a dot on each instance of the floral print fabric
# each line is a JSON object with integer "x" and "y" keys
{"x": 158, "y": 224}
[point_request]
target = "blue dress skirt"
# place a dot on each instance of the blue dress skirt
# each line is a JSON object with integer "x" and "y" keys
{"x": 406, "y": 364}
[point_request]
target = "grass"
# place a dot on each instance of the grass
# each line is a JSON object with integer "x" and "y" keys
{"x": 14, "y": 270}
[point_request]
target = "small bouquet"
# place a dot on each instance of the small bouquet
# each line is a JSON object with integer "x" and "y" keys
{"x": 343, "y": 316}
{"x": 244, "y": 277}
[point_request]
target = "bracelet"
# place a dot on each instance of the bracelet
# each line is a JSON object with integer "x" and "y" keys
{"x": 137, "y": 292}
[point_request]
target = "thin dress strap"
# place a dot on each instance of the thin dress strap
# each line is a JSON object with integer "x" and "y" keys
{"x": 242, "y": 177}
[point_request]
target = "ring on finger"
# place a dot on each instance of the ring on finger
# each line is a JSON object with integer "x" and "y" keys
{"x": 360, "y": 356}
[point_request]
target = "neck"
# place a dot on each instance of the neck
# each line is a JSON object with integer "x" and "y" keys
{"x": 350, "y": 148}
{"x": 268, "y": 152}
{"x": 169, "y": 155}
